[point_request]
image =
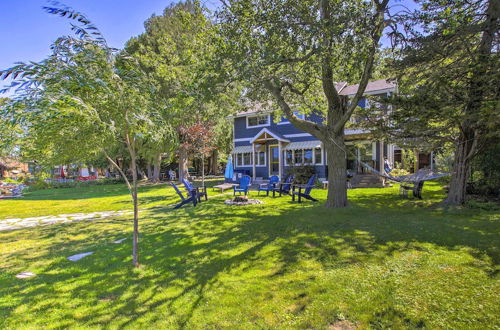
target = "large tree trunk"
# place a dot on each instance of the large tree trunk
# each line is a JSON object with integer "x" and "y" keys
{"x": 461, "y": 169}
{"x": 468, "y": 140}
{"x": 149, "y": 171}
{"x": 337, "y": 172}
{"x": 183, "y": 162}
{"x": 156, "y": 168}
{"x": 215, "y": 161}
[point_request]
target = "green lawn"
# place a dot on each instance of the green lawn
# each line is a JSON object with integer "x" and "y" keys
{"x": 384, "y": 262}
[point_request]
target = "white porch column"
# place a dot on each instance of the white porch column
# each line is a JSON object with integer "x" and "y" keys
{"x": 253, "y": 161}
{"x": 280, "y": 158}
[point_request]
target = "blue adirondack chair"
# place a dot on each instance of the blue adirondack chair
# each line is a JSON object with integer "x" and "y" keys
{"x": 283, "y": 188}
{"x": 199, "y": 191}
{"x": 243, "y": 186}
{"x": 304, "y": 191}
{"x": 184, "y": 200}
{"x": 267, "y": 187}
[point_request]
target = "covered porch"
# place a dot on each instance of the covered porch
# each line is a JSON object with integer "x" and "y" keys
{"x": 268, "y": 145}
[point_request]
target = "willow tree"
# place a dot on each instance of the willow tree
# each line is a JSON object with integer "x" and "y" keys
{"x": 87, "y": 98}
{"x": 294, "y": 51}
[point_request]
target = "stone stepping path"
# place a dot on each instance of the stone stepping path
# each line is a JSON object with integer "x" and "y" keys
{"x": 25, "y": 275}
{"x": 18, "y": 223}
{"x": 79, "y": 256}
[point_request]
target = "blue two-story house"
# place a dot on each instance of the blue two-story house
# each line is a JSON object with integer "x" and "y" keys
{"x": 265, "y": 146}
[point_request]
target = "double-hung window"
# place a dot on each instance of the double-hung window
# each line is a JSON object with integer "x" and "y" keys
{"x": 318, "y": 155}
{"x": 260, "y": 158}
{"x": 258, "y": 121}
{"x": 304, "y": 157}
{"x": 244, "y": 159}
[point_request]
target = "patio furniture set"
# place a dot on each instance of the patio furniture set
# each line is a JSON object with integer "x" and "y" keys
{"x": 274, "y": 186}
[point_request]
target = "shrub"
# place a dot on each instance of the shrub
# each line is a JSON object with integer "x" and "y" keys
{"x": 44, "y": 184}
{"x": 301, "y": 173}
{"x": 37, "y": 185}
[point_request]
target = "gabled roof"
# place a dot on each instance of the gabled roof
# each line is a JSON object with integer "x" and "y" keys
{"x": 373, "y": 87}
{"x": 268, "y": 133}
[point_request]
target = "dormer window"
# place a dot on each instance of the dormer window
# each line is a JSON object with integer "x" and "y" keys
{"x": 258, "y": 121}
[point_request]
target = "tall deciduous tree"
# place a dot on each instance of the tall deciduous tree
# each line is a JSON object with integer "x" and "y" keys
{"x": 295, "y": 51}
{"x": 173, "y": 50}
{"x": 448, "y": 67}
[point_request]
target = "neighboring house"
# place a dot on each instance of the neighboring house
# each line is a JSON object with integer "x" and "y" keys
{"x": 264, "y": 146}
{"x": 12, "y": 168}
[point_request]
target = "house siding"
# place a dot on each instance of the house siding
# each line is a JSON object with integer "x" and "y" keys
{"x": 243, "y": 136}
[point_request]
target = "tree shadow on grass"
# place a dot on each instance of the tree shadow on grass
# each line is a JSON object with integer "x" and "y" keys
{"x": 184, "y": 252}
{"x": 96, "y": 191}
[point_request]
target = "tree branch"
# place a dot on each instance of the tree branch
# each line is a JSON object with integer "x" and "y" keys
{"x": 329, "y": 90}
{"x": 376, "y": 34}
{"x": 119, "y": 169}
{"x": 306, "y": 125}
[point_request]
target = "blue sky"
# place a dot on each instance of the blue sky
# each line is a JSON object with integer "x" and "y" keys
{"x": 26, "y": 31}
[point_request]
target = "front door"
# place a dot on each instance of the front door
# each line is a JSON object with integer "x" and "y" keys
{"x": 274, "y": 160}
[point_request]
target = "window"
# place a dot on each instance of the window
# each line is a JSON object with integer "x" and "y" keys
{"x": 317, "y": 156}
{"x": 247, "y": 158}
{"x": 308, "y": 156}
{"x": 260, "y": 158}
{"x": 298, "y": 156}
{"x": 304, "y": 157}
{"x": 289, "y": 157}
{"x": 244, "y": 159}
{"x": 284, "y": 120}
{"x": 258, "y": 121}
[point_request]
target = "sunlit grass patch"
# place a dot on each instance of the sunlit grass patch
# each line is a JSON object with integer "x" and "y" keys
{"x": 383, "y": 262}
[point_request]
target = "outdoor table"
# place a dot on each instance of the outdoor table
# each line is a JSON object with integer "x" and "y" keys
{"x": 225, "y": 186}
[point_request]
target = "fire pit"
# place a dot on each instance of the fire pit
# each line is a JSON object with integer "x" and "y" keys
{"x": 242, "y": 200}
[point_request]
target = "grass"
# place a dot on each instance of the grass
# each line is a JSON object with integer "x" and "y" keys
{"x": 85, "y": 199}
{"x": 383, "y": 262}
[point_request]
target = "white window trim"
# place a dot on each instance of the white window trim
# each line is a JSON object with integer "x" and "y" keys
{"x": 287, "y": 122}
{"x": 237, "y": 162}
{"x": 265, "y": 159}
{"x": 262, "y": 125}
{"x": 322, "y": 157}
{"x": 313, "y": 159}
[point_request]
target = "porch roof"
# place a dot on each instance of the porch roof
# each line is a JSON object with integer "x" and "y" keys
{"x": 267, "y": 135}
{"x": 303, "y": 145}
{"x": 242, "y": 149}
